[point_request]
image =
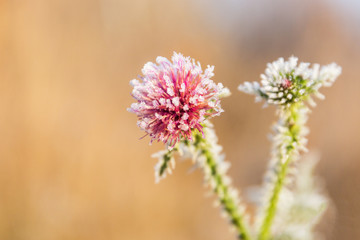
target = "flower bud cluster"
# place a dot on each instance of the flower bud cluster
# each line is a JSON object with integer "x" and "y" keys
{"x": 286, "y": 82}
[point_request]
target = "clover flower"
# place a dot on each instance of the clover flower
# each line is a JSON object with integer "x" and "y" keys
{"x": 174, "y": 98}
{"x": 286, "y": 82}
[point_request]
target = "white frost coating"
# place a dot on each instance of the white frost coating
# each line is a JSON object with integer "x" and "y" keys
{"x": 182, "y": 87}
{"x": 171, "y": 126}
{"x": 170, "y": 165}
{"x": 170, "y": 91}
{"x": 303, "y": 206}
{"x": 176, "y": 101}
{"x": 184, "y": 126}
{"x": 285, "y": 82}
{"x": 185, "y": 116}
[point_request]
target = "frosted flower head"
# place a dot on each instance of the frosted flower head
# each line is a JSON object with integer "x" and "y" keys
{"x": 174, "y": 98}
{"x": 286, "y": 82}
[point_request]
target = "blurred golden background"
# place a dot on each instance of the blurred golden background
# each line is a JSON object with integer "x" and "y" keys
{"x": 71, "y": 162}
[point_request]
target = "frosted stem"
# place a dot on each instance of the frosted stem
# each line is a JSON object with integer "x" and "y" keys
{"x": 286, "y": 148}
{"x": 213, "y": 166}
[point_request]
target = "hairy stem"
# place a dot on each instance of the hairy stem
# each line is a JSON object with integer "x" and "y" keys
{"x": 292, "y": 128}
{"x": 166, "y": 160}
{"x": 269, "y": 217}
{"x": 221, "y": 186}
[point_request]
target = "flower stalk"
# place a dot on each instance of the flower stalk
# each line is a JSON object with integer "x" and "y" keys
{"x": 287, "y": 143}
{"x": 289, "y": 86}
{"x": 215, "y": 173}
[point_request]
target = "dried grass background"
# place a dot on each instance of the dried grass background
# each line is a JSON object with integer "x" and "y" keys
{"x": 71, "y": 164}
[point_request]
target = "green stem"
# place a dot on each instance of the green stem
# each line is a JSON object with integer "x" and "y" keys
{"x": 167, "y": 158}
{"x": 293, "y": 125}
{"x": 222, "y": 189}
{"x": 265, "y": 228}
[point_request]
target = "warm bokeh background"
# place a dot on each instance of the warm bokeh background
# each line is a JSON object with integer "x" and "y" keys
{"x": 71, "y": 164}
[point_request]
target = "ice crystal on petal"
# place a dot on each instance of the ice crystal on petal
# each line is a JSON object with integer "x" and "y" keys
{"x": 174, "y": 98}
{"x": 286, "y": 82}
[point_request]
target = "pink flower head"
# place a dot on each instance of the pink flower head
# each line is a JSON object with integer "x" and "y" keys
{"x": 174, "y": 98}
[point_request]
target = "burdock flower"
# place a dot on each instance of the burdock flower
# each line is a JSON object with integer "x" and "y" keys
{"x": 175, "y": 98}
{"x": 286, "y": 82}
